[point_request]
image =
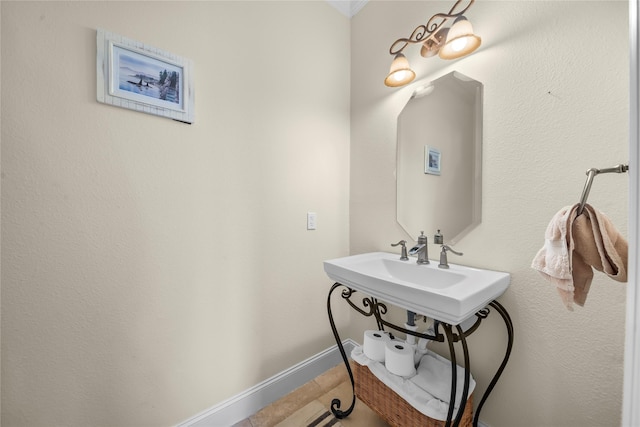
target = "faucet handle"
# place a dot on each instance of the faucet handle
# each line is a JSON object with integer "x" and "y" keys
{"x": 448, "y": 248}
{"x": 443, "y": 256}
{"x": 403, "y": 254}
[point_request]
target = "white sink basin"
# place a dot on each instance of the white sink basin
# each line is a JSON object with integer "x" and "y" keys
{"x": 449, "y": 295}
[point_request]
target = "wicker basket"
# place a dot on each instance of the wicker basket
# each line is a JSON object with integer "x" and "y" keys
{"x": 394, "y": 409}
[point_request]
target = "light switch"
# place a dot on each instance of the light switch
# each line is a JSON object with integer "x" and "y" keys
{"x": 312, "y": 220}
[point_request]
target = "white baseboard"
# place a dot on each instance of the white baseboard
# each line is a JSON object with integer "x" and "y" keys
{"x": 250, "y": 401}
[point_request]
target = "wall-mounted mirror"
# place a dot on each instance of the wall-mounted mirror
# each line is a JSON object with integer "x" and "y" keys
{"x": 439, "y": 158}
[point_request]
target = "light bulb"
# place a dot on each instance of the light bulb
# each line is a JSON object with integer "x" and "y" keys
{"x": 459, "y": 44}
{"x": 399, "y": 75}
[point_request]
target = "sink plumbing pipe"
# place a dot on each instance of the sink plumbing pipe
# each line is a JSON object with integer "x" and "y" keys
{"x": 411, "y": 339}
{"x": 411, "y": 325}
{"x": 420, "y": 347}
{"x": 422, "y": 342}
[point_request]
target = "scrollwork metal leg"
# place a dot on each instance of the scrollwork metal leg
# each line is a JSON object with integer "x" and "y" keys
{"x": 335, "y": 403}
{"x": 509, "y": 324}
{"x": 454, "y": 374}
{"x": 378, "y": 310}
{"x": 467, "y": 375}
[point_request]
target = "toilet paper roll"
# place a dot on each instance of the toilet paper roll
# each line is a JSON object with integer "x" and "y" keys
{"x": 375, "y": 344}
{"x": 399, "y": 358}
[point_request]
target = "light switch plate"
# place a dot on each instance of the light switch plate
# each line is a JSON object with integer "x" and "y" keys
{"x": 312, "y": 220}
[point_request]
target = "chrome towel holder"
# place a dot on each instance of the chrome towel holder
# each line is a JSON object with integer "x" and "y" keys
{"x": 591, "y": 173}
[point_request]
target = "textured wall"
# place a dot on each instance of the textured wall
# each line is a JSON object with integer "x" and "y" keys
{"x": 152, "y": 269}
{"x": 555, "y": 77}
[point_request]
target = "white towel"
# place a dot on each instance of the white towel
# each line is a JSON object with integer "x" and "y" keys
{"x": 434, "y": 376}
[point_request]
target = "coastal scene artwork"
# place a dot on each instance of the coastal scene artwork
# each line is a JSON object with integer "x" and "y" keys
{"x": 147, "y": 76}
{"x": 137, "y": 76}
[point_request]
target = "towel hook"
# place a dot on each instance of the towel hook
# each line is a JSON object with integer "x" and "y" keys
{"x": 591, "y": 173}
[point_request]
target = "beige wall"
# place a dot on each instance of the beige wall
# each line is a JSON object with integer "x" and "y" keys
{"x": 556, "y": 99}
{"x": 135, "y": 248}
{"x": 151, "y": 269}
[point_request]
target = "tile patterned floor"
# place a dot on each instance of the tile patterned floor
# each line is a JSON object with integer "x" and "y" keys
{"x": 305, "y": 404}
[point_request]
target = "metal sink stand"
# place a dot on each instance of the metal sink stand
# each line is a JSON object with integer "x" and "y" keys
{"x": 372, "y": 307}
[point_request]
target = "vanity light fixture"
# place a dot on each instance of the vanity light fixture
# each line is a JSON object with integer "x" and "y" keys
{"x": 436, "y": 39}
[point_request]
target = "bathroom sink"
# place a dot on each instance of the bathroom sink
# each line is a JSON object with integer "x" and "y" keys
{"x": 449, "y": 295}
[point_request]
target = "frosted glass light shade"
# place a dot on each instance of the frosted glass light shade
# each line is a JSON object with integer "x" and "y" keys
{"x": 400, "y": 73}
{"x": 460, "y": 41}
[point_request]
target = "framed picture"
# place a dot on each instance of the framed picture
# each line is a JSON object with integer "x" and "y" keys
{"x": 432, "y": 159}
{"x": 139, "y": 77}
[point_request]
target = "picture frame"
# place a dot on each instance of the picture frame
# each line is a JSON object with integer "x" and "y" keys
{"x": 143, "y": 78}
{"x": 432, "y": 160}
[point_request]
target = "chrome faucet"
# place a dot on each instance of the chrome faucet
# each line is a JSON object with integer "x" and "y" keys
{"x": 421, "y": 249}
{"x": 443, "y": 256}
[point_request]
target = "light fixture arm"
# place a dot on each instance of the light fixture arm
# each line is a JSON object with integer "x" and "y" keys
{"x": 422, "y": 33}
